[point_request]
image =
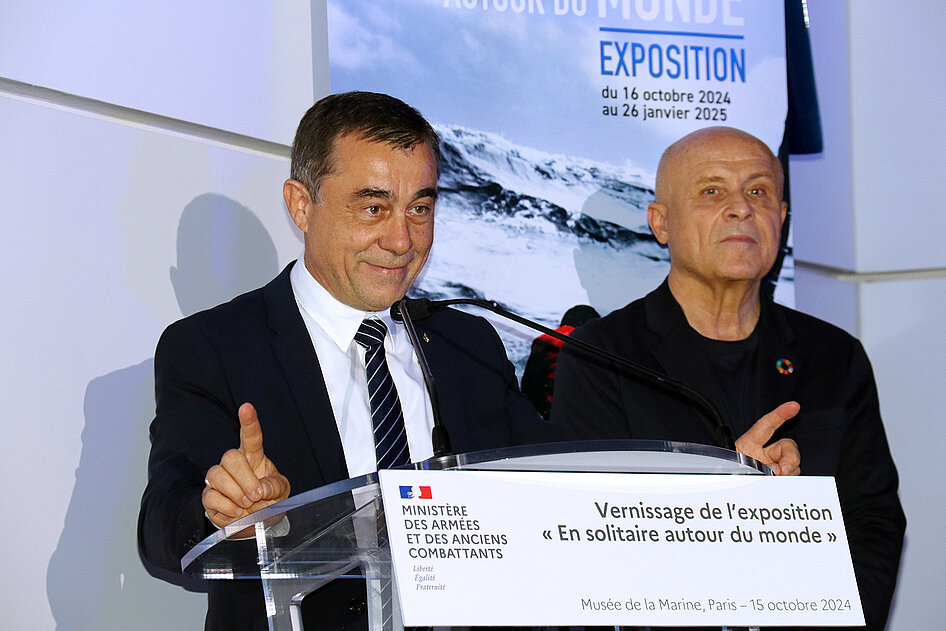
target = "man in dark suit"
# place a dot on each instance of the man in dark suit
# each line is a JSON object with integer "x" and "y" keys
{"x": 719, "y": 210}
{"x": 282, "y": 366}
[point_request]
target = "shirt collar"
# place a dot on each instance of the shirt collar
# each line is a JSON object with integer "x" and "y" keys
{"x": 339, "y": 321}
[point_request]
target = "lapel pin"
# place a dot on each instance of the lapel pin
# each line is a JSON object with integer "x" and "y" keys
{"x": 785, "y": 366}
{"x": 426, "y": 337}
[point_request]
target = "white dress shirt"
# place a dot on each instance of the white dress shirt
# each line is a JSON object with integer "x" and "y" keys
{"x": 332, "y": 327}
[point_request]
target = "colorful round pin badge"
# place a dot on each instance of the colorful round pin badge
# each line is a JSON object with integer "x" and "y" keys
{"x": 785, "y": 366}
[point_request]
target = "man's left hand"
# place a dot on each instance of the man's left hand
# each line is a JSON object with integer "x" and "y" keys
{"x": 782, "y": 456}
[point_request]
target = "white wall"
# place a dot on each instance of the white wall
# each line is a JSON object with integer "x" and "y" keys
{"x": 869, "y": 234}
{"x": 117, "y": 222}
{"x": 239, "y": 66}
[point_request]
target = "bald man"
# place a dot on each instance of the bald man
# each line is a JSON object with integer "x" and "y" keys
{"x": 719, "y": 211}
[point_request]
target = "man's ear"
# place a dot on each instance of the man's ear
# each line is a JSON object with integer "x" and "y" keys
{"x": 784, "y": 210}
{"x": 657, "y": 218}
{"x": 298, "y": 202}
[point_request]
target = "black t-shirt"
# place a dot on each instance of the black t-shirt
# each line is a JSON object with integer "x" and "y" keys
{"x": 732, "y": 364}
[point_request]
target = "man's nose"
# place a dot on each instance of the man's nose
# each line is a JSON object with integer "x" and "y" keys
{"x": 740, "y": 207}
{"x": 396, "y": 234}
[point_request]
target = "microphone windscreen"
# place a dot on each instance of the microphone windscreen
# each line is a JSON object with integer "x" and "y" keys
{"x": 417, "y": 309}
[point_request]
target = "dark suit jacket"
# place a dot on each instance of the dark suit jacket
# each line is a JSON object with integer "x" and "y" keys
{"x": 256, "y": 348}
{"x": 838, "y": 431}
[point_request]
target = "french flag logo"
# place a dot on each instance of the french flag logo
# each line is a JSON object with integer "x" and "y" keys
{"x": 416, "y": 493}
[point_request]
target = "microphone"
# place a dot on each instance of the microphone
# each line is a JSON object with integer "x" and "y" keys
{"x": 416, "y": 308}
{"x": 403, "y": 312}
{"x": 420, "y": 308}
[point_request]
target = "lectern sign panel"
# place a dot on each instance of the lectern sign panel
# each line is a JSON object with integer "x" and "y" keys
{"x": 475, "y": 548}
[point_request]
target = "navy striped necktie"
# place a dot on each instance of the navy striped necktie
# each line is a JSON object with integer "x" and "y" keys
{"x": 390, "y": 436}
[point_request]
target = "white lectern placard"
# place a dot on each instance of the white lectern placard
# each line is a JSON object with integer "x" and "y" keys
{"x": 600, "y": 532}
{"x": 488, "y": 548}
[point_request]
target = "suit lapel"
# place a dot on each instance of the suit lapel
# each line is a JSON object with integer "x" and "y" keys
{"x": 776, "y": 369}
{"x": 293, "y": 348}
{"x": 439, "y": 360}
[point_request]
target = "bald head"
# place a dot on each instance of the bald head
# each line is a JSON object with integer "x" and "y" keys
{"x": 718, "y": 208}
{"x": 703, "y": 143}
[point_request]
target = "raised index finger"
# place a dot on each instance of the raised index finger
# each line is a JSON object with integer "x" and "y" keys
{"x": 251, "y": 435}
{"x": 762, "y": 430}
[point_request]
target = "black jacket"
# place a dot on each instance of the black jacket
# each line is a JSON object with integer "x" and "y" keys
{"x": 256, "y": 348}
{"x": 839, "y": 430}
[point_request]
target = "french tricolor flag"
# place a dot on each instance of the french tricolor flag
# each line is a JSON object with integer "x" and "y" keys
{"x": 416, "y": 493}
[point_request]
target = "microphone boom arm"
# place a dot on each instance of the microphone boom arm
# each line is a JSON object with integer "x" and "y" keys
{"x": 438, "y": 435}
{"x": 724, "y": 438}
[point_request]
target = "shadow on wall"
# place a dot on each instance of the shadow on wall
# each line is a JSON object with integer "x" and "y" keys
{"x": 222, "y": 251}
{"x": 95, "y": 578}
{"x": 617, "y": 259}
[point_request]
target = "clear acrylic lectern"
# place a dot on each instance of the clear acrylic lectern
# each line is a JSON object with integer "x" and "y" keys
{"x": 338, "y": 531}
